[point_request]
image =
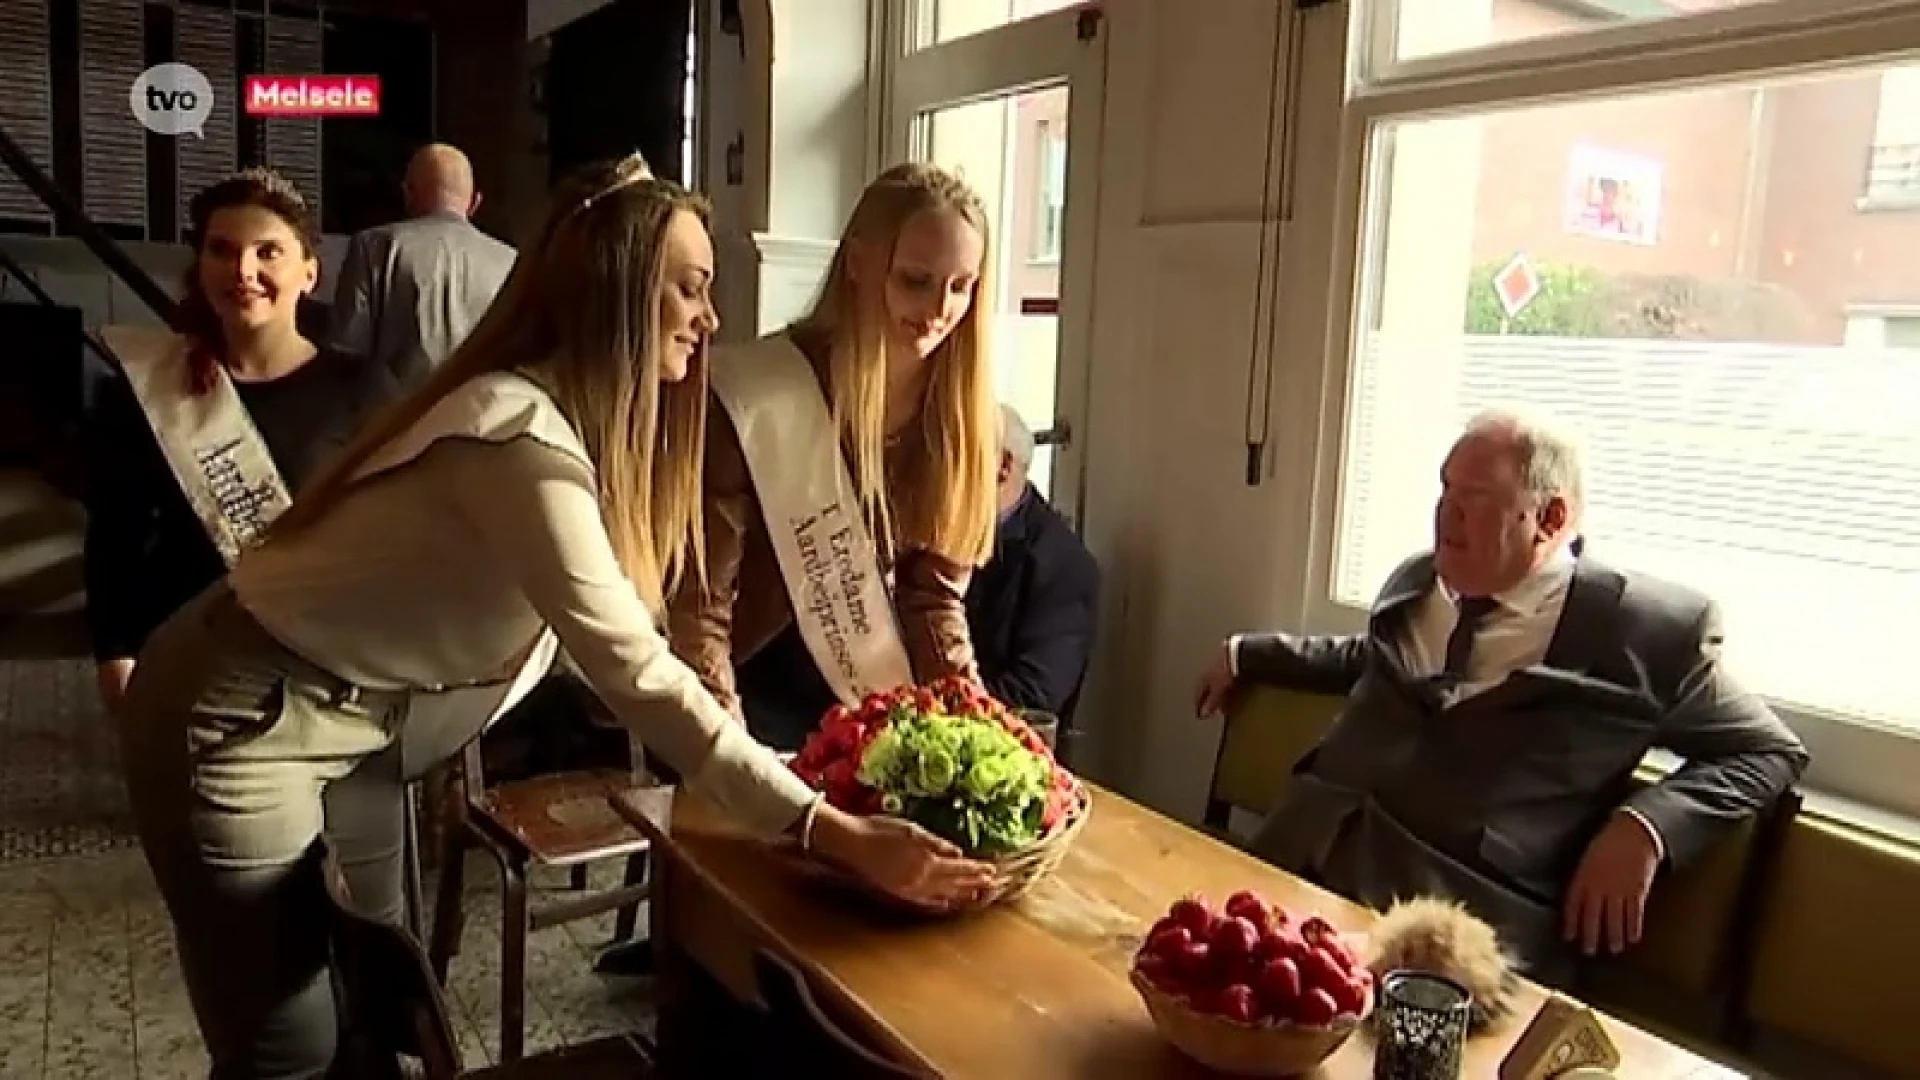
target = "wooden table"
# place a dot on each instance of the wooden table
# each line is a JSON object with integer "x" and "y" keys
{"x": 1037, "y": 989}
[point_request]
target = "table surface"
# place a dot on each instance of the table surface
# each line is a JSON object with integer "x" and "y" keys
{"x": 1036, "y": 988}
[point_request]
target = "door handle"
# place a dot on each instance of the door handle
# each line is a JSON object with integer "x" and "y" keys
{"x": 1060, "y": 434}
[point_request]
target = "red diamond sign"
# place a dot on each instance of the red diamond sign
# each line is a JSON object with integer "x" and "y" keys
{"x": 1516, "y": 285}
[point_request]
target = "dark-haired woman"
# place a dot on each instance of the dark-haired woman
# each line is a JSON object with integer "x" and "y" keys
{"x": 203, "y": 438}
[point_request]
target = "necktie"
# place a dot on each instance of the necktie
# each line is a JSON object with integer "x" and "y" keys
{"x": 1474, "y": 611}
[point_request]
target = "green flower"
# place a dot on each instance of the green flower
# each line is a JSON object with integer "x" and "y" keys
{"x": 933, "y": 774}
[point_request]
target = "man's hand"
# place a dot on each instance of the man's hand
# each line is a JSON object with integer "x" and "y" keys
{"x": 113, "y": 676}
{"x": 1608, "y": 898}
{"x": 1215, "y": 685}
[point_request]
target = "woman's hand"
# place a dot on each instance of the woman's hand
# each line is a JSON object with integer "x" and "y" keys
{"x": 900, "y": 858}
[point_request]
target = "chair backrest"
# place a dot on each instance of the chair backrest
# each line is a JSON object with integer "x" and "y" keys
{"x": 390, "y": 1000}
{"x": 1268, "y": 730}
{"x": 805, "y": 1040}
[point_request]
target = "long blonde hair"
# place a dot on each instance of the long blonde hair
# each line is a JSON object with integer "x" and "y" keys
{"x": 949, "y": 509}
{"x": 580, "y": 315}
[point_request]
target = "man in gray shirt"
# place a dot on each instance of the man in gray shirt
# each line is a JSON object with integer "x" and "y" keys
{"x": 410, "y": 292}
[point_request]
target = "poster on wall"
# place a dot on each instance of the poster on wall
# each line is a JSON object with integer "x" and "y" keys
{"x": 1613, "y": 196}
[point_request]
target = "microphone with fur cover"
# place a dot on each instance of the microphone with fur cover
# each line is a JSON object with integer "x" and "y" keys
{"x": 1441, "y": 937}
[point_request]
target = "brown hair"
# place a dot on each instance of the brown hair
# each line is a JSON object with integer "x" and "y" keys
{"x": 952, "y": 511}
{"x": 580, "y": 314}
{"x": 258, "y": 187}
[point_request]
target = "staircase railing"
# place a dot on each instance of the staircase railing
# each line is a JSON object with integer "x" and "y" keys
{"x": 71, "y": 218}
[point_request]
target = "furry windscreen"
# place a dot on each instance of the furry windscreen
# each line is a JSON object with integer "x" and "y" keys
{"x": 1441, "y": 937}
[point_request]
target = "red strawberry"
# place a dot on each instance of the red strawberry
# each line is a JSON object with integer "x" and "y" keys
{"x": 1320, "y": 969}
{"x": 1315, "y": 1008}
{"x": 1237, "y": 1003}
{"x": 1349, "y": 997}
{"x": 1282, "y": 942}
{"x": 1160, "y": 971}
{"x": 1171, "y": 942}
{"x": 1280, "y": 986}
{"x": 1233, "y": 940}
{"x": 1246, "y": 905}
{"x": 1315, "y": 929}
{"x": 838, "y": 716}
{"x": 1196, "y": 962}
{"x": 1192, "y": 913}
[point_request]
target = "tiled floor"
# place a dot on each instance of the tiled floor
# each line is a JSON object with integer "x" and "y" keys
{"x": 89, "y": 988}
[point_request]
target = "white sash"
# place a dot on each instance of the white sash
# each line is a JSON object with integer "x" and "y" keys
{"x": 820, "y": 536}
{"x": 209, "y": 441}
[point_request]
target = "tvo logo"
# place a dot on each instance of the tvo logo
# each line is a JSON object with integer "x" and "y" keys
{"x": 172, "y": 99}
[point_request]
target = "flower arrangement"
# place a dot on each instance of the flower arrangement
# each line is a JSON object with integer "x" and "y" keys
{"x": 946, "y": 756}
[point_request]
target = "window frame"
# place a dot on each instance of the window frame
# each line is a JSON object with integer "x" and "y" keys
{"x": 1857, "y": 760}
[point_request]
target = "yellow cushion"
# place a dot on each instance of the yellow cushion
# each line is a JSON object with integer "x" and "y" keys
{"x": 1837, "y": 951}
{"x": 1267, "y": 732}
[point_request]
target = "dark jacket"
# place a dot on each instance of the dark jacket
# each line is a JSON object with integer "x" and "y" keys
{"x": 1492, "y": 800}
{"x": 1033, "y": 610}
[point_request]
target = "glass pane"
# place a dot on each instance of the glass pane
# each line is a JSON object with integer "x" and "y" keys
{"x": 1012, "y": 150}
{"x": 1435, "y": 27}
{"x": 940, "y": 21}
{"x": 1717, "y": 292}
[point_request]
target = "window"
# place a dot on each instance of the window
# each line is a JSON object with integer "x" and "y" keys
{"x": 1678, "y": 272}
{"x": 936, "y": 22}
{"x": 1438, "y": 27}
{"x": 1051, "y": 202}
{"x": 1893, "y": 162}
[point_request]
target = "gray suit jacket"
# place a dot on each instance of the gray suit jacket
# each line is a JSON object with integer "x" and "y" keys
{"x": 410, "y": 292}
{"x": 1492, "y": 800}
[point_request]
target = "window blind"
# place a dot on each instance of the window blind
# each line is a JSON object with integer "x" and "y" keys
{"x": 113, "y": 146}
{"x": 26, "y": 100}
{"x": 1784, "y": 482}
{"x": 203, "y": 38}
{"x": 293, "y": 145}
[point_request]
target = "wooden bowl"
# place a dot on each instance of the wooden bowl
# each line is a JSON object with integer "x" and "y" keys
{"x": 1270, "y": 1049}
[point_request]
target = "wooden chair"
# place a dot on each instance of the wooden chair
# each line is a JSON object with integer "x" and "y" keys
{"x": 802, "y": 1040}
{"x": 1267, "y": 731}
{"x": 393, "y": 1007}
{"x": 559, "y": 820}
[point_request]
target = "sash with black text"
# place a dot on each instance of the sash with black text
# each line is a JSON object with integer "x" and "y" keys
{"x": 820, "y": 537}
{"x": 217, "y": 455}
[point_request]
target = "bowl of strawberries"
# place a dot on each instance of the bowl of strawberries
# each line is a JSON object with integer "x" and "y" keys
{"x": 1251, "y": 988}
{"x": 962, "y": 765}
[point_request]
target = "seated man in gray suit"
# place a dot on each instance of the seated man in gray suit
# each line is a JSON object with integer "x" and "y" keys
{"x": 1497, "y": 704}
{"x": 409, "y": 292}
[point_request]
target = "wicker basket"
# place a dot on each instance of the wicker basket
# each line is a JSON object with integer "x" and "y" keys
{"x": 1278, "y": 1049}
{"x": 1018, "y": 871}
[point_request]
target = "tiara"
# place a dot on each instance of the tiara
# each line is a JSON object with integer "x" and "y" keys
{"x": 639, "y": 171}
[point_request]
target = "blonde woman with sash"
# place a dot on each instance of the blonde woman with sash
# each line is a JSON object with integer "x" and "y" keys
{"x": 197, "y": 445}
{"x": 541, "y": 489}
{"x": 851, "y": 472}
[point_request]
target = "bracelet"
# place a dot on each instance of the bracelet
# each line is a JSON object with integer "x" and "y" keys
{"x": 806, "y": 825}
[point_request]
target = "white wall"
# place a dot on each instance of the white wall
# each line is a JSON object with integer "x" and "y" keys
{"x": 1195, "y": 551}
{"x": 797, "y": 107}
{"x": 1192, "y": 552}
